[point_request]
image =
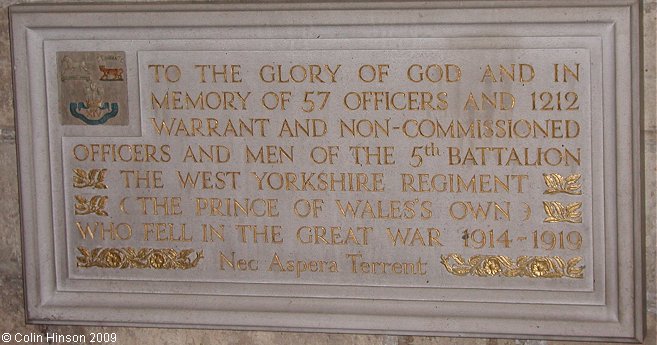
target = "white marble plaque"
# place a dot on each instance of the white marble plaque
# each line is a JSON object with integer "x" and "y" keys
{"x": 373, "y": 168}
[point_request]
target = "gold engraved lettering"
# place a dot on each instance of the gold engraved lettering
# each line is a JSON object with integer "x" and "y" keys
{"x": 211, "y": 100}
{"x": 557, "y": 212}
{"x": 496, "y": 100}
{"x": 384, "y": 209}
{"x": 561, "y": 75}
{"x": 171, "y": 73}
{"x": 523, "y": 266}
{"x": 166, "y": 232}
{"x": 365, "y": 128}
{"x": 142, "y": 179}
{"x": 237, "y": 264}
{"x": 510, "y": 156}
{"x": 232, "y": 207}
{"x": 558, "y": 184}
{"x": 208, "y": 179}
{"x": 95, "y": 205}
{"x": 456, "y": 183}
{"x": 322, "y": 181}
{"x": 166, "y": 258}
{"x": 260, "y": 234}
{"x": 373, "y": 155}
{"x": 303, "y": 128}
{"x": 414, "y": 237}
{"x": 491, "y": 128}
{"x": 299, "y": 73}
{"x": 269, "y": 154}
{"x": 525, "y": 73}
{"x": 333, "y": 235}
{"x": 94, "y": 178}
{"x": 362, "y": 266}
{"x": 400, "y": 100}
{"x": 164, "y": 206}
{"x": 210, "y": 127}
{"x": 144, "y": 153}
{"x": 300, "y": 266}
{"x": 368, "y": 73}
{"x": 433, "y": 73}
{"x": 231, "y": 75}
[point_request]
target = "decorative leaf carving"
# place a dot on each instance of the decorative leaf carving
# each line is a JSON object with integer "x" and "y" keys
{"x": 523, "y": 266}
{"x": 144, "y": 258}
{"x": 557, "y": 212}
{"x": 558, "y": 184}
{"x": 95, "y": 178}
{"x": 95, "y": 205}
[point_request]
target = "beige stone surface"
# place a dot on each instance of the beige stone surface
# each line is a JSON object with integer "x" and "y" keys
{"x": 649, "y": 70}
{"x": 9, "y": 215}
{"x": 11, "y": 286}
{"x": 651, "y": 219}
{"x": 6, "y": 98}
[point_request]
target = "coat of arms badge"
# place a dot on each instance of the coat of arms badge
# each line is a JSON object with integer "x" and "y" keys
{"x": 92, "y": 88}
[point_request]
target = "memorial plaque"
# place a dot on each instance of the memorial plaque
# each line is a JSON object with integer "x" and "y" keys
{"x": 407, "y": 168}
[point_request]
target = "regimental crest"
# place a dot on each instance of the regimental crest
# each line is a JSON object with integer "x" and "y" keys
{"x": 92, "y": 88}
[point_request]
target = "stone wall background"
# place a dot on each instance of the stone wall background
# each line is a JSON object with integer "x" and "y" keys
{"x": 12, "y": 318}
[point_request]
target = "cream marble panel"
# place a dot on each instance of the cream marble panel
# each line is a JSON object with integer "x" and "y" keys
{"x": 12, "y": 315}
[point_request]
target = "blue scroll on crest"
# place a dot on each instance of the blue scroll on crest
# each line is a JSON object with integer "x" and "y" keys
{"x": 77, "y": 108}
